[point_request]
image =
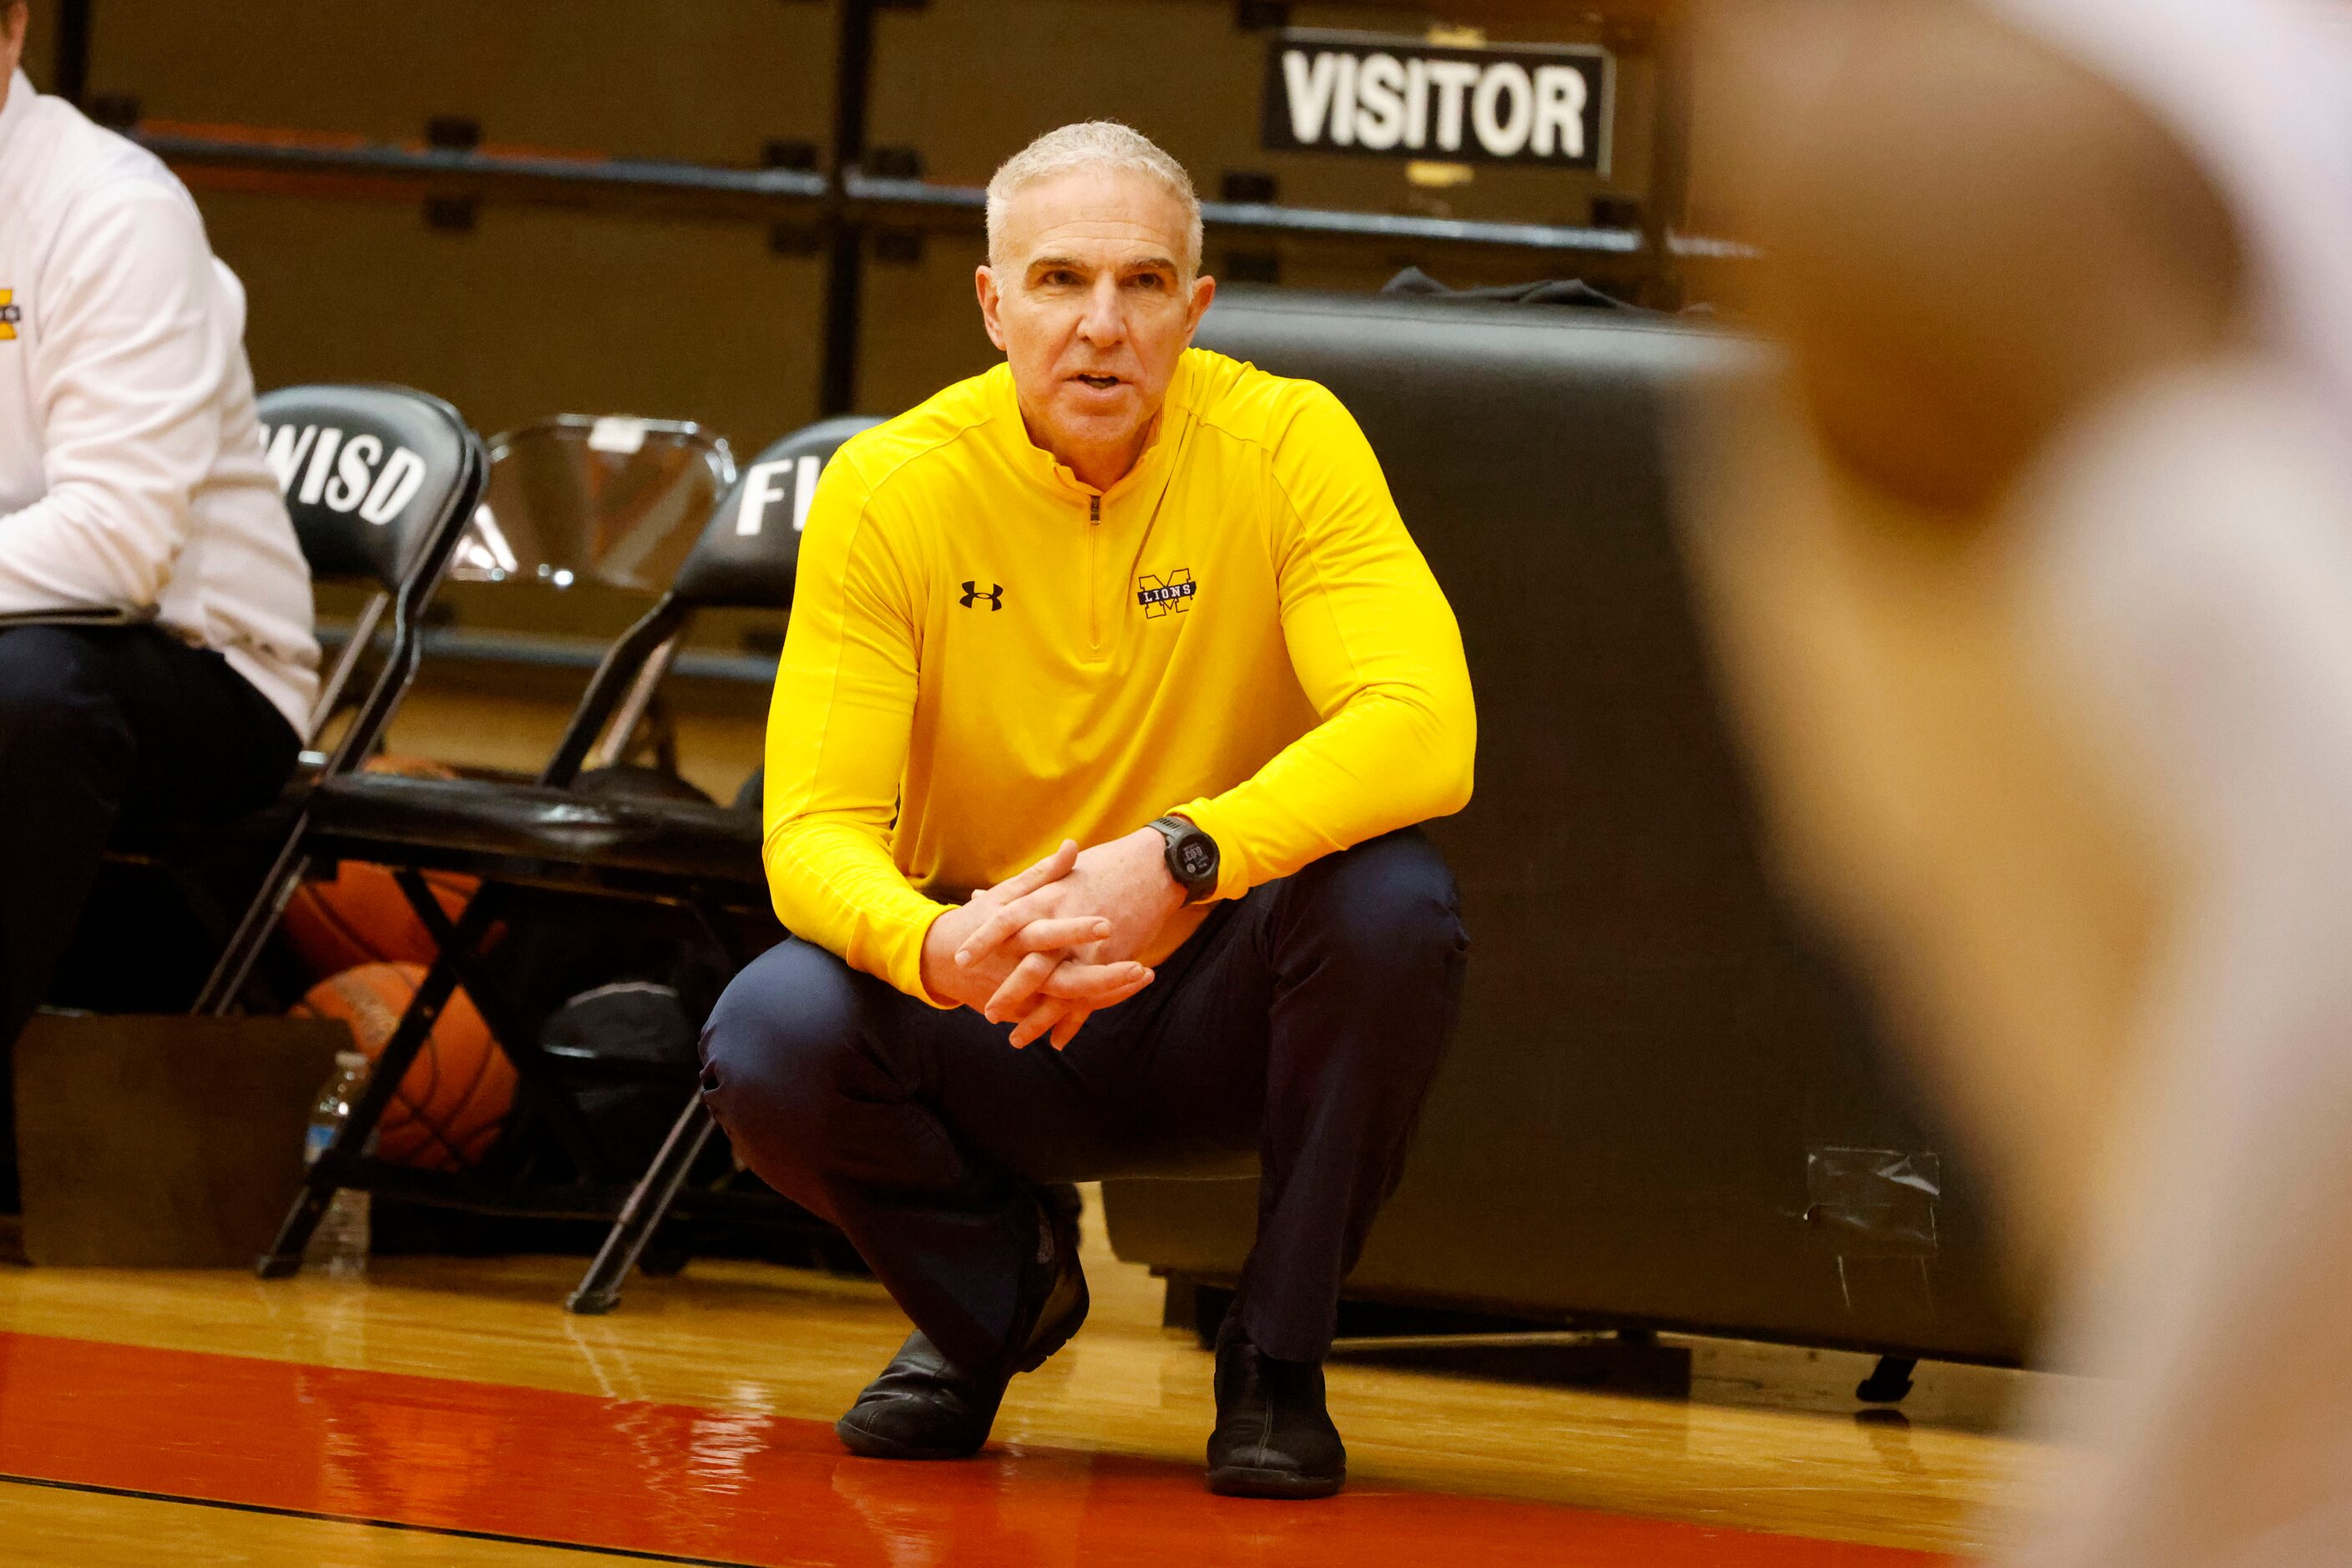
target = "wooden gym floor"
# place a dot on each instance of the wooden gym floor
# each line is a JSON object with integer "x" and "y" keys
{"x": 447, "y": 1411}
{"x": 450, "y": 1411}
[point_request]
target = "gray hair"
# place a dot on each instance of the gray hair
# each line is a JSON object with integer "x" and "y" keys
{"x": 1093, "y": 144}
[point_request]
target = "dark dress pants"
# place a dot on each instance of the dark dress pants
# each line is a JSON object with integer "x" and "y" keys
{"x": 1302, "y": 1022}
{"x": 102, "y": 725}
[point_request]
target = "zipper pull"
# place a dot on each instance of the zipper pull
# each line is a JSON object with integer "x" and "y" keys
{"x": 1097, "y": 515}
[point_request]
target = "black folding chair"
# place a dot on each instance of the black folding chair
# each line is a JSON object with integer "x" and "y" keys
{"x": 613, "y": 500}
{"x": 611, "y": 496}
{"x": 690, "y": 855}
{"x": 380, "y": 481}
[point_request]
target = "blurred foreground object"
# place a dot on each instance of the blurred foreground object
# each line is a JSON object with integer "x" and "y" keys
{"x": 2035, "y": 574}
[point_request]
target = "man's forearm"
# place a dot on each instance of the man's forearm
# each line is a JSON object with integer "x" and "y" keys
{"x": 835, "y": 886}
{"x": 63, "y": 553}
{"x": 1381, "y": 763}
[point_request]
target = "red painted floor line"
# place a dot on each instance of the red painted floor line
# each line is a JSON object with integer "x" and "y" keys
{"x": 437, "y": 1453}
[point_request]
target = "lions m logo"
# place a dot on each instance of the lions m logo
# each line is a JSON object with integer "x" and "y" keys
{"x": 11, "y": 314}
{"x": 1158, "y": 598}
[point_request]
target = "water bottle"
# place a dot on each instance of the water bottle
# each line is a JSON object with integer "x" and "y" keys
{"x": 339, "y": 1243}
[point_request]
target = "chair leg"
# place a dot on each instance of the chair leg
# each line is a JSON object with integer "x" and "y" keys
{"x": 319, "y": 1186}
{"x": 649, "y": 1203}
{"x": 538, "y": 1082}
{"x": 284, "y": 1257}
{"x": 244, "y": 949}
{"x": 1888, "y": 1382}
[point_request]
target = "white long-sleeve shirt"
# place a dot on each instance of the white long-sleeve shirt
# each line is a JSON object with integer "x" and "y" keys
{"x": 132, "y": 474}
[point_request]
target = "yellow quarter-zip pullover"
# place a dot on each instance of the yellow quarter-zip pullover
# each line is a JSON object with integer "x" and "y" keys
{"x": 986, "y": 656}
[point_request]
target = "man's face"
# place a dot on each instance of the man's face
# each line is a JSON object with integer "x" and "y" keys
{"x": 1092, "y": 300}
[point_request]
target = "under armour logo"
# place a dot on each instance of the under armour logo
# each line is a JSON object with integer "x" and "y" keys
{"x": 996, "y": 595}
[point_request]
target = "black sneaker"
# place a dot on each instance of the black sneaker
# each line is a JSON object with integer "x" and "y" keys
{"x": 923, "y": 1406}
{"x": 1273, "y": 1436}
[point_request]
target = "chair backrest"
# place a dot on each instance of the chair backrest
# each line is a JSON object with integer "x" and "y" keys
{"x": 744, "y": 560}
{"x": 380, "y": 481}
{"x": 751, "y": 547}
{"x": 374, "y": 477}
{"x": 575, "y": 498}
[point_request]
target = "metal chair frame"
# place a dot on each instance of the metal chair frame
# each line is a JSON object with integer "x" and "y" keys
{"x": 616, "y": 694}
{"x": 406, "y": 600}
{"x": 404, "y": 592}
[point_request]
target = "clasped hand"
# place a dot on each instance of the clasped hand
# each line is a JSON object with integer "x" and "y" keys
{"x": 1055, "y": 945}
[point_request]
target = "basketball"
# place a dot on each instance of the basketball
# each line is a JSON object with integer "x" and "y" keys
{"x": 407, "y": 766}
{"x": 359, "y": 916}
{"x": 456, "y": 1096}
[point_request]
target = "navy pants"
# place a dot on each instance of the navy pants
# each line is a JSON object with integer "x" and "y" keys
{"x": 100, "y": 725}
{"x": 1302, "y": 1022}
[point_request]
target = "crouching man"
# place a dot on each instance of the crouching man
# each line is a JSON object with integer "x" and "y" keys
{"x": 1123, "y": 594}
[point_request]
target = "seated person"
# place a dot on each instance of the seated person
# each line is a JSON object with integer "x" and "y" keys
{"x": 155, "y": 652}
{"x": 1129, "y": 595}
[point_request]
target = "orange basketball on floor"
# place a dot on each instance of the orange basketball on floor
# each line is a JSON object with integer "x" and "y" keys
{"x": 456, "y": 1095}
{"x": 360, "y": 916}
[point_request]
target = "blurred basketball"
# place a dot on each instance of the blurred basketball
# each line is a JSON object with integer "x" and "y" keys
{"x": 456, "y": 1096}
{"x": 360, "y": 916}
{"x": 407, "y": 766}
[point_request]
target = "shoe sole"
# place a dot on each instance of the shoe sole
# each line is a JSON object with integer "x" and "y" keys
{"x": 1238, "y": 1480}
{"x": 866, "y": 1446}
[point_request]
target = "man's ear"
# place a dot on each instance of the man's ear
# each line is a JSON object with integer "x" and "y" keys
{"x": 984, "y": 282}
{"x": 1204, "y": 291}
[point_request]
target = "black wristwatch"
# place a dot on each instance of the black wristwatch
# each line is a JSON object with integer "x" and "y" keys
{"x": 1192, "y": 857}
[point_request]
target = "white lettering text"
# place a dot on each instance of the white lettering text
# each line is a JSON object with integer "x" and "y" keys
{"x": 1453, "y": 79}
{"x": 1561, "y": 97}
{"x": 1504, "y": 138}
{"x": 1379, "y": 94}
{"x": 355, "y": 471}
{"x": 402, "y": 474}
{"x": 1311, "y": 88}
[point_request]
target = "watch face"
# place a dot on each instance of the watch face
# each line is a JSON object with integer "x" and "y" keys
{"x": 1198, "y": 859}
